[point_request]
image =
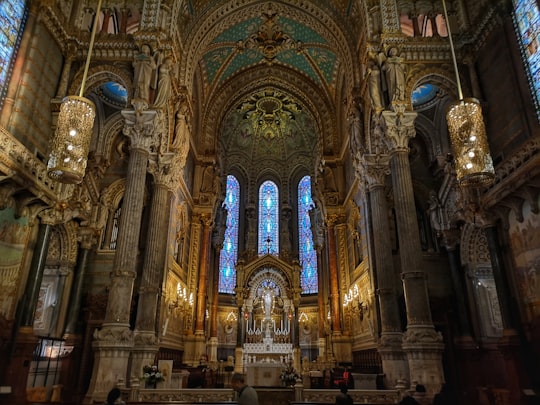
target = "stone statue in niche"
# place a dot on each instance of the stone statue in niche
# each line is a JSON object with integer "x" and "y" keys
{"x": 393, "y": 67}
{"x": 373, "y": 78}
{"x": 144, "y": 76}
{"x": 164, "y": 84}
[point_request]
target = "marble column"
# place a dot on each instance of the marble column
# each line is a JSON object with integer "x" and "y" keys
{"x": 203, "y": 274}
{"x": 114, "y": 341}
{"x": 333, "y": 270}
{"x": 144, "y": 336}
{"x": 394, "y": 361}
{"x": 77, "y": 287}
{"x": 35, "y": 275}
{"x": 421, "y": 342}
{"x": 218, "y": 238}
{"x": 450, "y": 240}
{"x": 202, "y": 290}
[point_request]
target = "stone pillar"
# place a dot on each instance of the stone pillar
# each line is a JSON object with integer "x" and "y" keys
{"x": 317, "y": 231}
{"x": 421, "y": 342}
{"x": 335, "y": 309}
{"x": 202, "y": 291}
{"x": 77, "y": 287}
{"x": 450, "y": 241}
{"x": 25, "y": 342}
{"x": 217, "y": 242}
{"x": 144, "y": 336}
{"x": 114, "y": 341}
{"x": 203, "y": 274}
{"x": 394, "y": 361}
{"x": 35, "y": 275}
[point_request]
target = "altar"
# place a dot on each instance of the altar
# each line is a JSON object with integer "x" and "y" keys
{"x": 264, "y": 374}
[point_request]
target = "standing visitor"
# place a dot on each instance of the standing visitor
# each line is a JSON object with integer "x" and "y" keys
{"x": 246, "y": 394}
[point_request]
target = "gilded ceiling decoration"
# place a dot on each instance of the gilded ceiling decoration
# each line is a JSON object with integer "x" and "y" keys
{"x": 270, "y": 38}
{"x": 269, "y": 125}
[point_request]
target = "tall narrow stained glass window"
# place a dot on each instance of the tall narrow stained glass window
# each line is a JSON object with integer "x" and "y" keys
{"x": 229, "y": 253}
{"x": 12, "y": 18}
{"x": 527, "y": 23}
{"x": 308, "y": 255}
{"x": 268, "y": 218}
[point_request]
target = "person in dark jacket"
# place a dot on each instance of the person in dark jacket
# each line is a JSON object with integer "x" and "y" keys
{"x": 343, "y": 398}
{"x": 246, "y": 394}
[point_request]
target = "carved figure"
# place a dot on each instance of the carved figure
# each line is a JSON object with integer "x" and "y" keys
{"x": 374, "y": 86}
{"x": 164, "y": 85}
{"x": 394, "y": 70}
{"x": 144, "y": 73}
{"x": 182, "y": 127}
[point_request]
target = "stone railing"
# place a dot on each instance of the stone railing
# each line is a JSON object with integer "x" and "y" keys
{"x": 216, "y": 395}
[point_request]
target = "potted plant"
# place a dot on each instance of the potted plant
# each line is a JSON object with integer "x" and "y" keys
{"x": 151, "y": 376}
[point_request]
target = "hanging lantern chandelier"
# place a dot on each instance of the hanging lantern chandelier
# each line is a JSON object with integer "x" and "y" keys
{"x": 474, "y": 166}
{"x": 74, "y": 128}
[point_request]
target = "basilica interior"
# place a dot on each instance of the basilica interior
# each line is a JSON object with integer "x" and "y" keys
{"x": 268, "y": 185}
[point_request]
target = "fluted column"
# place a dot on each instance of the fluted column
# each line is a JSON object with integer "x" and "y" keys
{"x": 421, "y": 342}
{"x": 112, "y": 344}
{"x": 144, "y": 337}
{"x": 203, "y": 274}
{"x": 333, "y": 270}
{"x": 394, "y": 362}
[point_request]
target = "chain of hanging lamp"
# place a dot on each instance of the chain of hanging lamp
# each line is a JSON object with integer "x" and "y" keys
{"x": 75, "y": 125}
{"x": 468, "y": 138}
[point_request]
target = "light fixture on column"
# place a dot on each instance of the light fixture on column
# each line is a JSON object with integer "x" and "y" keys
{"x": 71, "y": 141}
{"x": 474, "y": 166}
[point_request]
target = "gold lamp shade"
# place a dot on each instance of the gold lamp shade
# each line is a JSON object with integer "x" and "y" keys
{"x": 474, "y": 166}
{"x": 71, "y": 141}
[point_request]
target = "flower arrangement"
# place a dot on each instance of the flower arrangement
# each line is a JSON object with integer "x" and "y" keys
{"x": 289, "y": 376}
{"x": 151, "y": 375}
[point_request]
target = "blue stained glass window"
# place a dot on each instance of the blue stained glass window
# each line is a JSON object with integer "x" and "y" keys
{"x": 229, "y": 253}
{"x": 268, "y": 218}
{"x": 527, "y": 22}
{"x": 308, "y": 255}
{"x": 12, "y": 16}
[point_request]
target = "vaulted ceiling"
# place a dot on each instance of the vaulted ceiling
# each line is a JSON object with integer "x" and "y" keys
{"x": 263, "y": 53}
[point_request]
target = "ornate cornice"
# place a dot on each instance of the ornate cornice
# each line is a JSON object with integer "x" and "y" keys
{"x": 25, "y": 169}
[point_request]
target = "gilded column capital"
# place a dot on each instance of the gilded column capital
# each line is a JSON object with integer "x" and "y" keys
{"x": 334, "y": 219}
{"x": 399, "y": 128}
{"x": 88, "y": 237}
{"x": 139, "y": 125}
{"x": 60, "y": 213}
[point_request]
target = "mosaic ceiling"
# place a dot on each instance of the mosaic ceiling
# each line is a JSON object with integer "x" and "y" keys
{"x": 269, "y": 125}
{"x": 273, "y": 39}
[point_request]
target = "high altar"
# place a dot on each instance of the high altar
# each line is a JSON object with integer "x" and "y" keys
{"x": 269, "y": 330}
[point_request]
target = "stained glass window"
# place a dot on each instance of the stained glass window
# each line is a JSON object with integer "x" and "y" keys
{"x": 229, "y": 253}
{"x": 308, "y": 255}
{"x": 268, "y": 218}
{"x": 527, "y": 22}
{"x": 12, "y": 16}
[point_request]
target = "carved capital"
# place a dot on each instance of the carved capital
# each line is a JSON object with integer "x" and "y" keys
{"x": 375, "y": 169}
{"x": 139, "y": 125}
{"x": 399, "y": 128}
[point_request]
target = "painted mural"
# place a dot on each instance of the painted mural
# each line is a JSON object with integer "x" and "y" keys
{"x": 13, "y": 237}
{"x": 525, "y": 244}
